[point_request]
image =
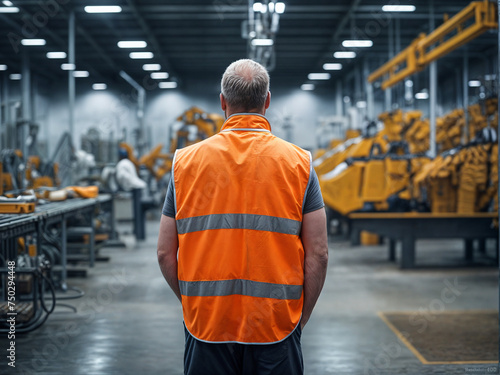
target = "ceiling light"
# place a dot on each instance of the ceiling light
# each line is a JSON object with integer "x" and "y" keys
{"x": 332, "y": 66}
{"x": 361, "y": 104}
{"x": 33, "y": 42}
{"x": 262, "y": 42}
{"x": 7, "y": 3}
{"x": 422, "y": 95}
{"x": 56, "y": 55}
{"x": 271, "y": 7}
{"x": 307, "y": 87}
{"x": 15, "y": 77}
{"x": 475, "y": 83}
{"x": 357, "y": 43}
{"x": 344, "y": 55}
{"x": 319, "y": 76}
{"x": 279, "y": 8}
{"x": 132, "y": 44}
{"x": 99, "y": 86}
{"x": 257, "y": 7}
{"x": 9, "y": 10}
{"x": 151, "y": 67}
{"x": 167, "y": 85}
{"x": 67, "y": 66}
{"x": 80, "y": 74}
{"x": 398, "y": 8}
{"x": 3, "y": 67}
{"x": 159, "y": 75}
{"x": 103, "y": 9}
{"x": 141, "y": 55}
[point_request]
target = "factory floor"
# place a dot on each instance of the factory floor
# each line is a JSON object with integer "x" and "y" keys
{"x": 129, "y": 322}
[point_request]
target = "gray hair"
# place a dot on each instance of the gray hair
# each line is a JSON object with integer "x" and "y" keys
{"x": 245, "y": 85}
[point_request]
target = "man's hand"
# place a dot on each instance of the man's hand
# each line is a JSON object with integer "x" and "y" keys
{"x": 168, "y": 245}
{"x": 315, "y": 241}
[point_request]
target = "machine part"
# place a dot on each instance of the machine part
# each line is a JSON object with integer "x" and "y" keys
{"x": 474, "y": 20}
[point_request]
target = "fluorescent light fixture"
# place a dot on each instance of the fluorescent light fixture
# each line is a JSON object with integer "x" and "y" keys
{"x": 332, "y": 66}
{"x": 56, "y": 55}
{"x": 361, "y": 104}
{"x": 422, "y": 95}
{"x": 151, "y": 67}
{"x": 141, "y": 55}
{"x": 7, "y": 3}
{"x": 99, "y": 86}
{"x": 318, "y": 76}
{"x": 262, "y": 42}
{"x": 159, "y": 75}
{"x": 9, "y": 10}
{"x": 398, "y": 8}
{"x": 344, "y": 55}
{"x": 257, "y": 7}
{"x": 357, "y": 43}
{"x": 80, "y": 74}
{"x": 15, "y": 77}
{"x": 475, "y": 83}
{"x": 167, "y": 85}
{"x": 67, "y": 66}
{"x": 307, "y": 87}
{"x": 409, "y": 83}
{"x": 490, "y": 77}
{"x": 33, "y": 42}
{"x": 103, "y": 9}
{"x": 3, "y": 67}
{"x": 132, "y": 44}
{"x": 271, "y": 7}
{"x": 279, "y": 8}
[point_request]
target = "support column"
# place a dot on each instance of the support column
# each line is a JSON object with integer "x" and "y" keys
{"x": 339, "y": 106}
{"x": 23, "y": 132}
{"x": 388, "y": 91}
{"x": 71, "y": 77}
{"x": 432, "y": 92}
{"x": 370, "y": 102}
{"x": 4, "y": 142}
{"x": 465, "y": 92}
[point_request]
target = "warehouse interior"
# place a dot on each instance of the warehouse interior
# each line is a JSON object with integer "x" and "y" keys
{"x": 397, "y": 101}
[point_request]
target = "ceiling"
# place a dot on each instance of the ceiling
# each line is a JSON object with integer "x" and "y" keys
{"x": 194, "y": 39}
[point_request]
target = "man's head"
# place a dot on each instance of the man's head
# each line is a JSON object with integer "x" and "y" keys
{"x": 245, "y": 88}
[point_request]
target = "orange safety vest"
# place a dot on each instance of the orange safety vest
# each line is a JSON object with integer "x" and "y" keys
{"x": 238, "y": 199}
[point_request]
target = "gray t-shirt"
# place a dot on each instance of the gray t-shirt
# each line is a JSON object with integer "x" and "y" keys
{"x": 313, "y": 200}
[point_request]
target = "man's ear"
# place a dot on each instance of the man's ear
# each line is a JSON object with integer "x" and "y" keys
{"x": 268, "y": 100}
{"x": 223, "y": 103}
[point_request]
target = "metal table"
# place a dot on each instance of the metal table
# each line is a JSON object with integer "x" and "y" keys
{"x": 409, "y": 226}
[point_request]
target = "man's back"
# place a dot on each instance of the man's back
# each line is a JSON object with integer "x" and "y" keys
{"x": 239, "y": 199}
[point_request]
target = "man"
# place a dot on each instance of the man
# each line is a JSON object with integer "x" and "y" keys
{"x": 243, "y": 240}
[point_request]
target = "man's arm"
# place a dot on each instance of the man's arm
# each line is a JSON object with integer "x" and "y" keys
{"x": 167, "y": 253}
{"x": 315, "y": 241}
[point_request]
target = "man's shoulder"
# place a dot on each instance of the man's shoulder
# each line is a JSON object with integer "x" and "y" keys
{"x": 202, "y": 145}
{"x": 291, "y": 147}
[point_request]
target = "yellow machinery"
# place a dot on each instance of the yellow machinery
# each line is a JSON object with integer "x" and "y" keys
{"x": 475, "y": 19}
{"x": 158, "y": 163}
{"x": 208, "y": 124}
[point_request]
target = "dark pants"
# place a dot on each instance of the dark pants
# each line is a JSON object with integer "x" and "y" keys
{"x": 285, "y": 357}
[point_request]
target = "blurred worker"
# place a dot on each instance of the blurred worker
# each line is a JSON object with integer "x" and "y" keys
{"x": 243, "y": 241}
{"x": 126, "y": 173}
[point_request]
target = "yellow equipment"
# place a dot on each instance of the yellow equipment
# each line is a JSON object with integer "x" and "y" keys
{"x": 475, "y": 19}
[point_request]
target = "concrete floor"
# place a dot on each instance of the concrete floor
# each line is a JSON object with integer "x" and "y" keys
{"x": 130, "y": 323}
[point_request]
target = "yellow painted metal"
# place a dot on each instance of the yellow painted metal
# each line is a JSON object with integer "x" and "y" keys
{"x": 16, "y": 208}
{"x": 452, "y": 34}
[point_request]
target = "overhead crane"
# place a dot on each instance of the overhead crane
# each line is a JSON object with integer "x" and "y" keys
{"x": 474, "y": 20}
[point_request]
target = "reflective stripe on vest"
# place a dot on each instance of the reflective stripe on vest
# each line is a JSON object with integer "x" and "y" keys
{"x": 239, "y": 198}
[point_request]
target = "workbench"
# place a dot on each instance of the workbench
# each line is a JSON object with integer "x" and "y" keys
{"x": 409, "y": 226}
{"x": 13, "y": 226}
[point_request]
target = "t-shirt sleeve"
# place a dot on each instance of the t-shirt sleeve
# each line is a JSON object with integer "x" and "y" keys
{"x": 169, "y": 205}
{"x": 313, "y": 199}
